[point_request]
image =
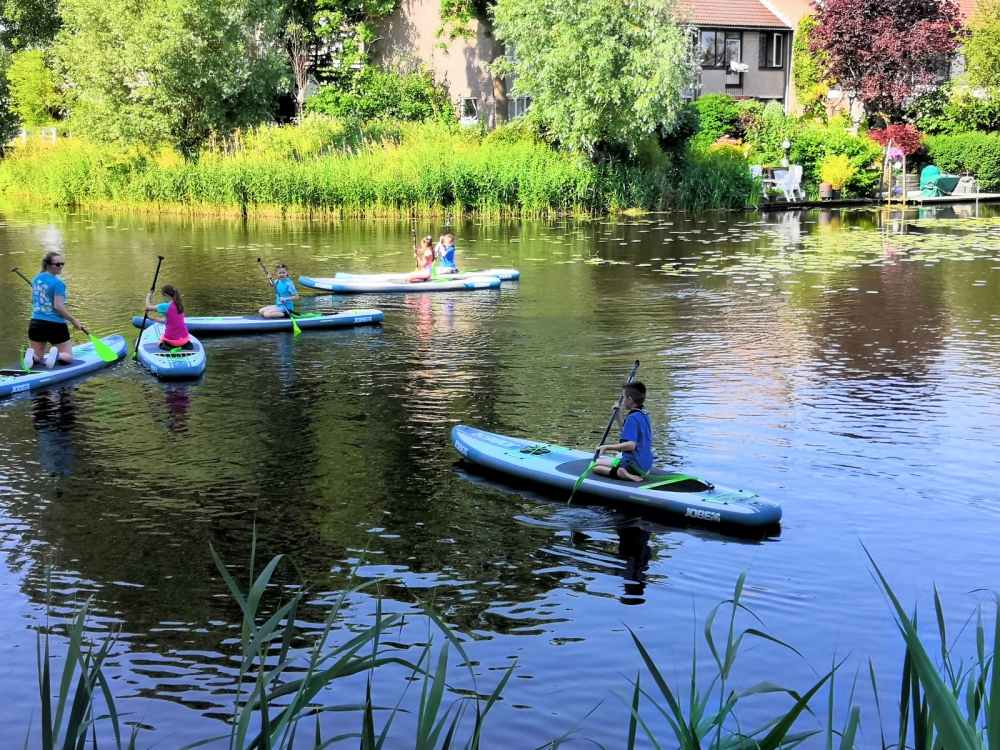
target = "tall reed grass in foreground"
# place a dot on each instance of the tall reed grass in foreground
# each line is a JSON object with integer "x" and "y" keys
{"x": 954, "y": 705}
{"x": 410, "y": 170}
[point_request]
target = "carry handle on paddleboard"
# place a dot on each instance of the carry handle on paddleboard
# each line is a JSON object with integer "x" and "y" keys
{"x": 145, "y": 315}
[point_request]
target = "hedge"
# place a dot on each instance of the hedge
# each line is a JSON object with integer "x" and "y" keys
{"x": 977, "y": 153}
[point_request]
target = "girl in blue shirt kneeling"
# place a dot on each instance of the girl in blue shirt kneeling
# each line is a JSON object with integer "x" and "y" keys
{"x": 286, "y": 297}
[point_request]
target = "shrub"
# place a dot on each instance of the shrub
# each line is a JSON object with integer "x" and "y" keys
{"x": 771, "y": 130}
{"x": 837, "y": 170}
{"x": 718, "y": 115}
{"x": 714, "y": 178}
{"x": 905, "y": 137}
{"x": 975, "y": 153}
{"x": 814, "y": 145}
{"x": 374, "y": 94}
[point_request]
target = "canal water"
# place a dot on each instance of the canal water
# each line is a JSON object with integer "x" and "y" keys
{"x": 842, "y": 364}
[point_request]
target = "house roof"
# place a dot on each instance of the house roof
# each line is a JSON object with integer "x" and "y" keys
{"x": 731, "y": 14}
{"x": 966, "y": 9}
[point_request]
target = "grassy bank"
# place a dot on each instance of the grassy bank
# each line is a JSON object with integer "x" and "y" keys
{"x": 322, "y": 169}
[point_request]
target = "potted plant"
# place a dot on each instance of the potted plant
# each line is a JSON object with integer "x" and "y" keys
{"x": 825, "y": 191}
{"x": 836, "y": 170}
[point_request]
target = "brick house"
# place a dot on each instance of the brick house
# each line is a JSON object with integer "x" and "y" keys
{"x": 744, "y": 47}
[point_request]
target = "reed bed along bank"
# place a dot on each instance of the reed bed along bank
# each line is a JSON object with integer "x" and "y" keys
{"x": 414, "y": 170}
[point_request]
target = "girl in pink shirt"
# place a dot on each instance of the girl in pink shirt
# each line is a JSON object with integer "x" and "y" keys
{"x": 172, "y": 308}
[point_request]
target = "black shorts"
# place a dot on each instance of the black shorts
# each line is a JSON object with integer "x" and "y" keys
{"x": 630, "y": 467}
{"x": 170, "y": 347}
{"x": 46, "y": 331}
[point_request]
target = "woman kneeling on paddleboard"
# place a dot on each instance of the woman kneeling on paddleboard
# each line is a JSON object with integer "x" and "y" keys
{"x": 49, "y": 316}
{"x": 285, "y": 295}
{"x": 175, "y": 335}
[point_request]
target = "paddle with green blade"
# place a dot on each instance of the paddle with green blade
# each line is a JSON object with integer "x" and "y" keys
{"x": 145, "y": 315}
{"x": 103, "y": 351}
{"x": 597, "y": 453}
{"x": 291, "y": 316}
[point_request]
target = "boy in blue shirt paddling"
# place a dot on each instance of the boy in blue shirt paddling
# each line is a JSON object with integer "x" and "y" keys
{"x": 285, "y": 298}
{"x": 636, "y": 444}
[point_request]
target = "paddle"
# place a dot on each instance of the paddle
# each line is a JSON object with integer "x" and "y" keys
{"x": 291, "y": 316}
{"x": 104, "y": 351}
{"x": 145, "y": 315}
{"x": 597, "y": 453}
{"x": 416, "y": 263}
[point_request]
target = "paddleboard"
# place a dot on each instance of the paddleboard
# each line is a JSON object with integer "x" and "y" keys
{"x": 504, "y": 274}
{"x": 662, "y": 491}
{"x": 257, "y": 324}
{"x": 399, "y": 285}
{"x": 85, "y": 360}
{"x": 169, "y": 365}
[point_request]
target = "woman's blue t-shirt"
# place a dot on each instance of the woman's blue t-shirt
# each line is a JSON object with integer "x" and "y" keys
{"x": 639, "y": 430}
{"x": 285, "y": 288}
{"x": 45, "y": 287}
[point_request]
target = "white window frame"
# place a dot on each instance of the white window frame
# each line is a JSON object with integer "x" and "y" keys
{"x": 464, "y": 106}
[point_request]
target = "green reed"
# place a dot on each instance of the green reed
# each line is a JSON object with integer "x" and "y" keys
{"x": 324, "y": 166}
{"x": 954, "y": 704}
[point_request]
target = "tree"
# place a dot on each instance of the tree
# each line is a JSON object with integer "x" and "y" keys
{"x": 982, "y": 48}
{"x": 811, "y": 85}
{"x": 27, "y": 24}
{"x": 169, "y": 71}
{"x": 885, "y": 51}
{"x": 600, "y": 73}
{"x": 9, "y": 124}
{"x": 33, "y": 96}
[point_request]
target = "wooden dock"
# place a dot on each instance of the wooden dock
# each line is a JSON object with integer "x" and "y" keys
{"x": 914, "y": 198}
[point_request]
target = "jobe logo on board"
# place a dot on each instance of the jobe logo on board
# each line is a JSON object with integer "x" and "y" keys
{"x": 21, "y": 388}
{"x": 363, "y": 319}
{"x": 704, "y": 515}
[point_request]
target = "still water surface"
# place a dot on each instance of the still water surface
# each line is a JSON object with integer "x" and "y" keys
{"x": 843, "y": 365}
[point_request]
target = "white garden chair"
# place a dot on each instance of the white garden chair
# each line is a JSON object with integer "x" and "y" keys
{"x": 789, "y": 182}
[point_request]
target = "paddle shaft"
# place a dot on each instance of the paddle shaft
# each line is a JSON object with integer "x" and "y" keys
{"x": 614, "y": 412}
{"x": 145, "y": 314}
{"x": 275, "y": 288}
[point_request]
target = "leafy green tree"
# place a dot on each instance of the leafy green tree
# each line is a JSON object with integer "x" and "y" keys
{"x": 718, "y": 115}
{"x": 811, "y": 84}
{"x": 600, "y": 72}
{"x": 33, "y": 96}
{"x": 376, "y": 93}
{"x": 25, "y": 24}
{"x": 9, "y": 124}
{"x": 169, "y": 71}
{"x": 982, "y": 47}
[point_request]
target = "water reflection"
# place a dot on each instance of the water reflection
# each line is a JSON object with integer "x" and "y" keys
{"x": 808, "y": 357}
{"x": 54, "y": 413}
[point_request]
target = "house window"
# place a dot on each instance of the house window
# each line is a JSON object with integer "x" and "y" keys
{"x": 719, "y": 48}
{"x": 521, "y": 105}
{"x": 772, "y": 50}
{"x": 468, "y": 111}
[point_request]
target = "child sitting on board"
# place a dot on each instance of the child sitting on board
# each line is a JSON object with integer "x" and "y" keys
{"x": 445, "y": 252}
{"x": 175, "y": 334}
{"x": 636, "y": 440}
{"x": 285, "y": 296}
{"x": 424, "y": 256}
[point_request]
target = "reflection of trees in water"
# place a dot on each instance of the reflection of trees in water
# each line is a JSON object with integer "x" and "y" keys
{"x": 897, "y": 332}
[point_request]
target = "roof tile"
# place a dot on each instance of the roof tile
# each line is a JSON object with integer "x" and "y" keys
{"x": 731, "y": 13}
